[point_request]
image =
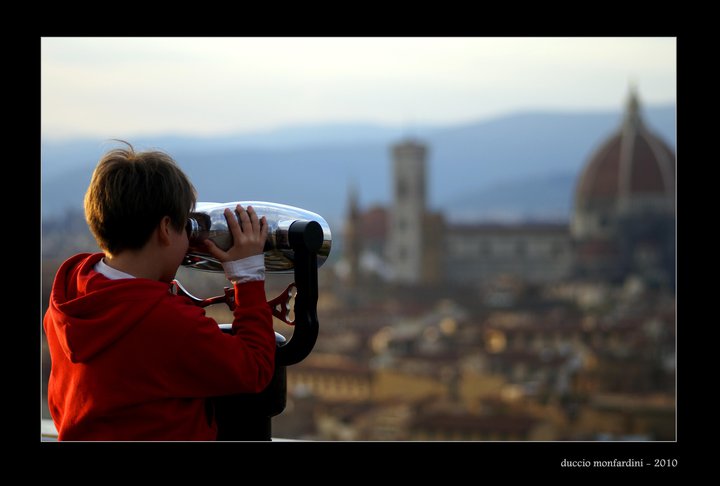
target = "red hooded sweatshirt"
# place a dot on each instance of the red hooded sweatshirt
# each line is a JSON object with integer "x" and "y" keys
{"x": 132, "y": 361}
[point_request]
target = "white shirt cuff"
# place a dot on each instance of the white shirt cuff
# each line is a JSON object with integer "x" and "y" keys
{"x": 248, "y": 269}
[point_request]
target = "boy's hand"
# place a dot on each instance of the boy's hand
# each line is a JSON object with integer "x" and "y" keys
{"x": 249, "y": 235}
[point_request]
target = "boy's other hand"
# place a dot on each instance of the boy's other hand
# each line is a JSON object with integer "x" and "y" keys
{"x": 249, "y": 234}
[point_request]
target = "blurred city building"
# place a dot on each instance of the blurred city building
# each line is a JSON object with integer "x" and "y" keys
{"x": 490, "y": 331}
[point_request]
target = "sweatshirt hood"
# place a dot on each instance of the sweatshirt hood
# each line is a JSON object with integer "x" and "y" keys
{"x": 88, "y": 311}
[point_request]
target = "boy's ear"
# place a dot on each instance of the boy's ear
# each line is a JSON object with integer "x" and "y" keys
{"x": 163, "y": 231}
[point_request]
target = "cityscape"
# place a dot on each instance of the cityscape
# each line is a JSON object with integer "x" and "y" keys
{"x": 434, "y": 330}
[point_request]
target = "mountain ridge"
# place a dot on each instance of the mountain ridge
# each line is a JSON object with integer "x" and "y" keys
{"x": 313, "y": 166}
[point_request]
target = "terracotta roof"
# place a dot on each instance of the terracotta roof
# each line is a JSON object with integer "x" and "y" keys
{"x": 374, "y": 223}
{"x": 516, "y": 424}
{"x": 332, "y": 363}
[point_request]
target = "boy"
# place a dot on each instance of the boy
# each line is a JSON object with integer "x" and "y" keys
{"x": 131, "y": 360}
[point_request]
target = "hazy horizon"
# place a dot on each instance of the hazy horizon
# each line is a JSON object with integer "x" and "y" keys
{"x": 365, "y": 124}
{"x": 142, "y": 87}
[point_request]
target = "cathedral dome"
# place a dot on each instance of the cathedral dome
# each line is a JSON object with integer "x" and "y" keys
{"x": 631, "y": 172}
{"x": 633, "y": 163}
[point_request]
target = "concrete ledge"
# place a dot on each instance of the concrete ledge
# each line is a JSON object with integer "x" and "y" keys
{"x": 48, "y": 433}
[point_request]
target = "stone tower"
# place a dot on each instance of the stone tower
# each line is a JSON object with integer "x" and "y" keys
{"x": 405, "y": 251}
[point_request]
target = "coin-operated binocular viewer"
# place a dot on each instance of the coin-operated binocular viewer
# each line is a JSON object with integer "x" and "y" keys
{"x": 298, "y": 242}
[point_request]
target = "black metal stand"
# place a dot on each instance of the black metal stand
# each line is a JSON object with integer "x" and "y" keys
{"x": 247, "y": 417}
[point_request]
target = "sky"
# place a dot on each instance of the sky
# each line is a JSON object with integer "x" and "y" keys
{"x": 120, "y": 87}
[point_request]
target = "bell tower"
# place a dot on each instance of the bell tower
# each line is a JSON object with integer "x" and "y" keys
{"x": 405, "y": 246}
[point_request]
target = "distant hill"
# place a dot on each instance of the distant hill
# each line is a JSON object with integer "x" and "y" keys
{"x": 517, "y": 166}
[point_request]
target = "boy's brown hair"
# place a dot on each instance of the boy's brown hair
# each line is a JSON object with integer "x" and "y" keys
{"x": 129, "y": 194}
